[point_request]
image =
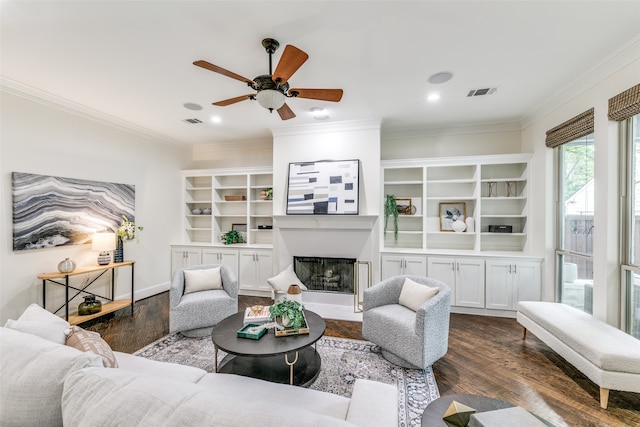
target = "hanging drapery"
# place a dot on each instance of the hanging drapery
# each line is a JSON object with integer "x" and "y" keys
{"x": 625, "y": 105}
{"x": 580, "y": 125}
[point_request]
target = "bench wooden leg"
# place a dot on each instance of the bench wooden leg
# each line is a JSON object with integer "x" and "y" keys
{"x": 524, "y": 333}
{"x": 604, "y": 397}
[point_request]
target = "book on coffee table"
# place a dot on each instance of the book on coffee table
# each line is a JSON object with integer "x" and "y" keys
{"x": 257, "y": 314}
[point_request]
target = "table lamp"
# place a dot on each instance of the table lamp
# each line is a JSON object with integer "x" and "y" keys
{"x": 104, "y": 242}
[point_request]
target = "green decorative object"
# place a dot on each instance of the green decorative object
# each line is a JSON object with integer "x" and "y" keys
{"x": 458, "y": 414}
{"x": 231, "y": 237}
{"x": 391, "y": 208}
{"x": 90, "y": 306}
{"x": 291, "y": 313}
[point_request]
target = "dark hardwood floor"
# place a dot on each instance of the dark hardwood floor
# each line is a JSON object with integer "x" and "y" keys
{"x": 486, "y": 356}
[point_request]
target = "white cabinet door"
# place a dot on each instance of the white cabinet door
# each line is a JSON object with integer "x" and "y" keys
{"x": 184, "y": 257}
{"x": 528, "y": 282}
{"x": 470, "y": 283}
{"x": 444, "y": 269}
{"x": 228, "y": 257}
{"x": 500, "y": 285}
{"x": 510, "y": 281}
{"x": 397, "y": 265}
{"x": 255, "y": 267}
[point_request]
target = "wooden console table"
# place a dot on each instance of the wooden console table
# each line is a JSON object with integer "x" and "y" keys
{"x": 107, "y": 308}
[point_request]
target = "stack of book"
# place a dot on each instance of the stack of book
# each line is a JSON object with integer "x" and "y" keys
{"x": 257, "y": 314}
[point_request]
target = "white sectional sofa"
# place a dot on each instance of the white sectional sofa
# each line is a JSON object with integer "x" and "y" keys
{"x": 606, "y": 355}
{"x": 46, "y": 383}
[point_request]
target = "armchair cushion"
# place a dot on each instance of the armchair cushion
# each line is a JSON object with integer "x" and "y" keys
{"x": 202, "y": 280}
{"x": 284, "y": 279}
{"x": 413, "y": 294}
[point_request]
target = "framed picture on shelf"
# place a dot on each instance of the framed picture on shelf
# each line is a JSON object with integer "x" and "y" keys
{"x": 451, "y": 212}
{"x": 240, "y": 228}
{"x": 405, "y": 206}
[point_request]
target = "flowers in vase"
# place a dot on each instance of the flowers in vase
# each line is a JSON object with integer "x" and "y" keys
{"x": 127, "y": 229}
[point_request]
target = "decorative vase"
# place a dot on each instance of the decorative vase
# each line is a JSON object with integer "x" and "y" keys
{"x": 471, "y": 224}
{"x": 458, "y": 226}
{"x": 294, "y": 293}
{"x": 118, "y": 254}
{"x": 90, "y": 306}
{"x": 66, "y": 266}
{"x": 206, "y": 211}
{"x": 196, "y": 211}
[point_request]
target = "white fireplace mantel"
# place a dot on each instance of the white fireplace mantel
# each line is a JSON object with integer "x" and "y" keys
{"x": 325, "y": 222}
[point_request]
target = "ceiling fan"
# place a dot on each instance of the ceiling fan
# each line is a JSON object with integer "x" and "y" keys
{"x": 273, "y": 88}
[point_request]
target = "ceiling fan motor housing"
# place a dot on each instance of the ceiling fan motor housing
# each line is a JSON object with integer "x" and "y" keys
{"x": 264, "y": 82}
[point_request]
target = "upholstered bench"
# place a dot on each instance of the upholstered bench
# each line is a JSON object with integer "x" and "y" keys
{"x": 606, "y": 355}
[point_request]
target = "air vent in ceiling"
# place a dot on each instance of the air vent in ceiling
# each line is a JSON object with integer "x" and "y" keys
{"x": 482, "y": 92}
{"x": 193, "y": 121}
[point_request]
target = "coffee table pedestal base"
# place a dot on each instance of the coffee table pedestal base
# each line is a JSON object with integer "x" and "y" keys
{"x": 282, "y": 368}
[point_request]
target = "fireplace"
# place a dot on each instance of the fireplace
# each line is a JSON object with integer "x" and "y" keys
{"x": 321, "y": 274}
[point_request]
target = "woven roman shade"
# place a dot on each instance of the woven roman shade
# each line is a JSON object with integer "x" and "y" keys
{"x": 625, "y": 105}
{"x": 574, "y": 128}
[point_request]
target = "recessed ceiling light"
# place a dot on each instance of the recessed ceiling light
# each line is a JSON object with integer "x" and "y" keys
{"x": 441, "y": 77}
{"x": 192, "y": 106}
{"x": 319, "y": 113}
{"x": 216, "y": 119}
{"x": 433, "y": 97}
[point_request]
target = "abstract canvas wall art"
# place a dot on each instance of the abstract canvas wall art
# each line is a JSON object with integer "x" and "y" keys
{"x": 51, "y": 211}
{"x": 326, "y": 187}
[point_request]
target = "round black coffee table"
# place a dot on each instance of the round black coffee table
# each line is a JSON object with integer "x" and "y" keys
{"x": 288, "y": 360}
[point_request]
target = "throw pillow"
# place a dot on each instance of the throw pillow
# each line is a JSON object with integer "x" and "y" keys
{"x": 284, "y": 279}
{"x": 202, "y": 280}
{"x": 35, "y": 320}
{"x": 85, "y": 340}
{"x": 413, "y": 294}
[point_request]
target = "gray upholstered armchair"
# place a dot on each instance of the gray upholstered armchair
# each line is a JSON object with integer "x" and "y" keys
{"x": 411, "y": 339}
{"x": 194, "y": 314}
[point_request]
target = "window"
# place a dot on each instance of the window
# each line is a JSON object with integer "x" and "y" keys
{"x": 574, "y": 250}
{"x": 630, "y": 230}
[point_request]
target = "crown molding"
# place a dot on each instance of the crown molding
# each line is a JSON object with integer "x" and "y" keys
{"x": 619, "y": 59}
{"x": 45, "y": 98}
{"x": 316, "y": 128}
{"x": 453, "y": 129}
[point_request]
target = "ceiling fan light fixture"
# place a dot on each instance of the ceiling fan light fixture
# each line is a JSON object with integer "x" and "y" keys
{"x": 270, "y": 99}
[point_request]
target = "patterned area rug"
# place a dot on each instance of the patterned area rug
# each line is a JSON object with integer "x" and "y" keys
{"x": 343, "y": 361}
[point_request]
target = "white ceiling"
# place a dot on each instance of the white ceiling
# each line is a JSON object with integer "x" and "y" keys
{"x": 130, "y": 62}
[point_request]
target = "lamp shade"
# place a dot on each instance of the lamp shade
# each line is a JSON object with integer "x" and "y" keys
{"x": 270, "y": 99}
{"x": 104, "y": 242}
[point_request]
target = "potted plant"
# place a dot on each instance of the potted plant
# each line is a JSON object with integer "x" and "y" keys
{"x": 288, "y": 313}
{"x": 391, "y": 208}
{"x": 231, "y": 237}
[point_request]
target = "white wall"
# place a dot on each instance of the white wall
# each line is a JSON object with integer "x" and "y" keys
{"x": 38, "y": 138}
{"x": 606, "y": 287}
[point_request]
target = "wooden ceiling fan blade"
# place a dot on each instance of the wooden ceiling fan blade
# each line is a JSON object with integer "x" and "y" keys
{"x": 230, "y": 101}
{"x": 285, "y": 112}
{"x": 209, "y": 66}
{"x": 292, "y": 59}
{"x": 333, "y": 95}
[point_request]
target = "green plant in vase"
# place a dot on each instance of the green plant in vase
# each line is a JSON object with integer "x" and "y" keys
{"x": 391, "y": 208}
{"x": 231, "y": 237}
{"x": 291, "y": 313}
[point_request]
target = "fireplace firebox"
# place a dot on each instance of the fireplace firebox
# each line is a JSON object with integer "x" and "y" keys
{"x": 325, "y": 274}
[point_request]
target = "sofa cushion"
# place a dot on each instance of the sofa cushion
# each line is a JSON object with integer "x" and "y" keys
{"x": 172, "y": 371}
{"x": 253, "y": 389}
{"x": 91, "y": 341}
{"x": 205, "y": 279}
{"x": 282, "y": 281}
{"x": 120, "y": 397}
{"x": 32, "y": 375}
{"x": 413, "y": 294}
{"x": 605, "y": 346}
{"x": 38, "y": 321}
